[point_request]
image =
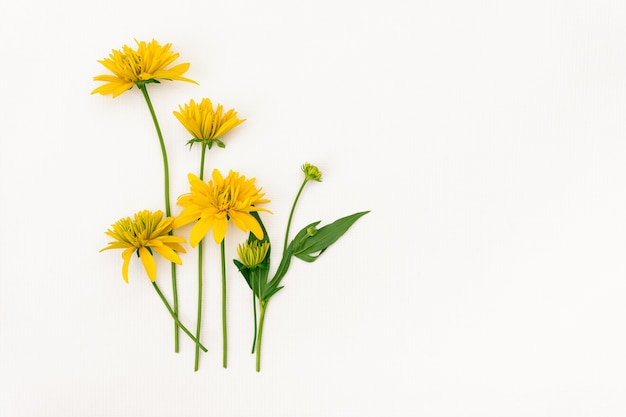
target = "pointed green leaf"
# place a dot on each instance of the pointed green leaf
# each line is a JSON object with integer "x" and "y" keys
{"x": 244, "y": 270}
{"x": 308, "y": 248}
{"x": 270, "y": 293}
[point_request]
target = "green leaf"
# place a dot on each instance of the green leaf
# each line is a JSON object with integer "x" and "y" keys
{"x": 259, "y": 275}
{"x": 244, "y": 270}
{"x": 309, "y": 247}
{"x": 309, "y": 258}
{"x": 266, "y": 238}
{"x": 270, "y": 292}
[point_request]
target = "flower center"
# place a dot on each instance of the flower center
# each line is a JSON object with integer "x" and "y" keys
{"x": 224, "y": 200}
{"x": 133, "y": 63}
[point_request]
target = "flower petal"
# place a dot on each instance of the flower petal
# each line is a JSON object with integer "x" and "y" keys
{"x": 199, "y": 230}
{"x": 148, "y": 263}
{"x": 247, "y": 222}
{"x": 168, "y": 254}
{"x": 219, "y": 229}
{"x": 126, "y": 256}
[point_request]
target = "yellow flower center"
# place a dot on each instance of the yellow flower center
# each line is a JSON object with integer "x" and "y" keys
{"x": 224, "y": 201}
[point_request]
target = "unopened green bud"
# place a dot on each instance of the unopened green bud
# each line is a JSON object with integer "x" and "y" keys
{"x": 311, "y": 231}
{"x": 252, "y": 254}
{"x": 311, "y": 172}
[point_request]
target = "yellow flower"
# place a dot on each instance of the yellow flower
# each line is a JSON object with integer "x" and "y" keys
{"x": 147, "y": 231}
{"x": 204, "y": 123}
{"x": 214, "y": 203}
{"x": 144, "y": 65}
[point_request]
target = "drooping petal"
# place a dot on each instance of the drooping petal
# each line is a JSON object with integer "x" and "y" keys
{"x": 220, "y": 226}
{"x": 176, "y": 247}
{"x": 199, "y": 230}
{"x": 168, "y": 254}
{"x": 126, "y": 256}
{"x": 148, "y": 263}
{"x": 246, "y": 222}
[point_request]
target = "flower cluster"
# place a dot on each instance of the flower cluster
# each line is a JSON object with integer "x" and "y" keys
{"x": 210, "y": 206}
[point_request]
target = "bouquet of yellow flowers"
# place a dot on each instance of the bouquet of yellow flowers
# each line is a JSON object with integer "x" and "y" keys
{"x": 210, "y": 205}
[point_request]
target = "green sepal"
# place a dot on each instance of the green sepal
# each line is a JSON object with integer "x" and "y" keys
{"x": 149, "y": 250}
{"x": 142, "y": 83}
{"x": 208, "y": 142}
{"x": 309, "y": 248}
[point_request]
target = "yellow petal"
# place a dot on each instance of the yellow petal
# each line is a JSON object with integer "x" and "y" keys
{"x": 200, "y": 230}
{"x": 126, "y": 256}
{"x": 188, "y": 215}
{"x": 219, "y": 229}
{"x": 217, "y": 177}
{"x": 168, "y": 254}
{"x": 245, "y": 222}
{"x": 172, "y": 238}
{"x": 176, "y": 247}
{"x": 148, "y": 263}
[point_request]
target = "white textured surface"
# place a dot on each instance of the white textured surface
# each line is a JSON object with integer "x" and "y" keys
{"x": 487, "y": 138}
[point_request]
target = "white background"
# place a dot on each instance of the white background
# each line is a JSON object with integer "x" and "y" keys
{"x": 488, "y": 139}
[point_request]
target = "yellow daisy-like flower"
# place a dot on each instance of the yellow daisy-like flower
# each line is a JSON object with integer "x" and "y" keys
{"x": 147, "y": 231}
{"x": 204, "y": 123}
{"x": 214, "y": 203}
{"x": 144, "y": 65}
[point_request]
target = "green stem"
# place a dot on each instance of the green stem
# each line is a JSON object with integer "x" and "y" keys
{"x": 224, "y": 334}
{"x": 252, "y": 277}
{"x": 255, "y": 329}
{"x": 199, "y": 318}
{"x": 166, "y": 175}
{"x": 291, "y": 214}
{"x": 202, "y": 160}
{"x": 263, "y": 306}
{"x": 175, "y": 317}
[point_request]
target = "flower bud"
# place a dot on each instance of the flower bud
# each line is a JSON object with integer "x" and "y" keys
{"x": 252, "y": 254}
{"x": 311, "y": 172}
{"x": 311, "y": 231}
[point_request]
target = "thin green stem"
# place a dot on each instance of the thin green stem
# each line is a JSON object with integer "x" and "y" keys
{"x": 200, "y": 250}
{"x": 199, "y": 318}
{"x": 175, "y": 317}
{"x": 175, "y": 293}
{"x": 255, "y": 329}
{"x": 224, "y": 333}
{"x": 202, "y": 160}
{"x": 255, "y": 275}
{"x": 263, "y": 306}
{"x": 166, "y": 176}
{"x": 291, "y": 214}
